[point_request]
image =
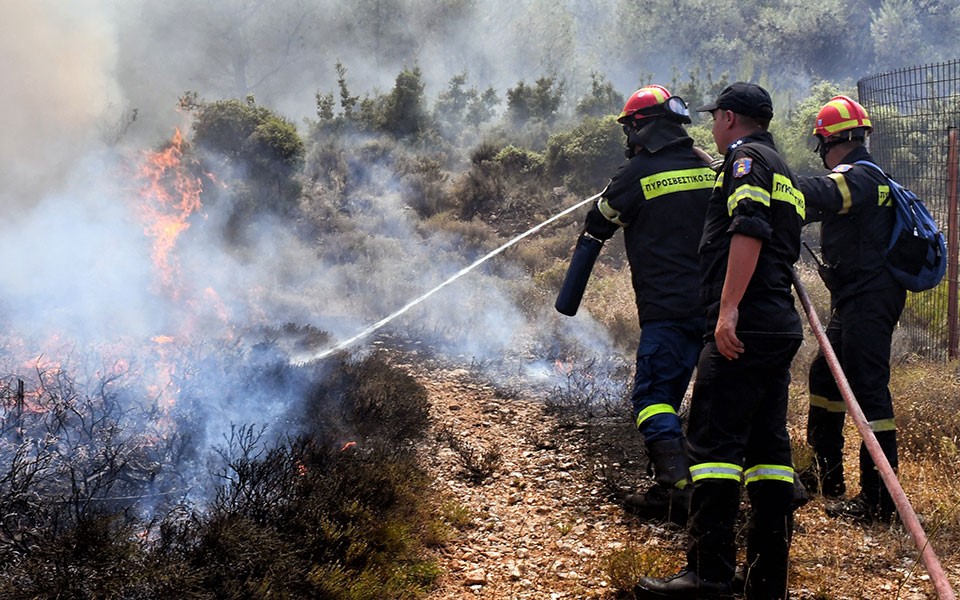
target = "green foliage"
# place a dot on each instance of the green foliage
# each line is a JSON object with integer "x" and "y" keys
{"x": 538, "y": 102}
{"x": 603, "y": 99}
{"x": 585, "y": 157}
{"x": 347, "y": 102}
{"x": 521, "y": 162}
{"x": 793, "y": 132}
{"x": 458, "y": 106}
{"x": 404, "y": 112}
{"x": 896, "y": 31}
{"x": 251, "y": 149}
{"x": 698, "y": 90}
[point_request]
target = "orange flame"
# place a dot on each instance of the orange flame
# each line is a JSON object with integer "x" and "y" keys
{"x": 171, "y": 194}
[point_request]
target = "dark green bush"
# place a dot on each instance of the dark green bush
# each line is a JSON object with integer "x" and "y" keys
{"x": 585, "y": 157}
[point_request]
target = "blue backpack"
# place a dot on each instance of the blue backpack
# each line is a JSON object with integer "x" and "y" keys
{"x": 917, "y": 252}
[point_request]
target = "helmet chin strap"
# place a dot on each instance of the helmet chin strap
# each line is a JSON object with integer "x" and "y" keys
{"x": 825, "y": 145}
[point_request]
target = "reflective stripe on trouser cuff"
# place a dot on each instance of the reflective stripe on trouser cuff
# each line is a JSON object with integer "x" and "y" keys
{"x": 768, "y": 473}
{"x": 828, "y": 405}
{"x": 883, "y": 425}
{"x": 654, "y": 409}
{"x": 716, "y": 471}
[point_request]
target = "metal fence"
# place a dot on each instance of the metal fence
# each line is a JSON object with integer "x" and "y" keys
{"x": 915, "y": 114}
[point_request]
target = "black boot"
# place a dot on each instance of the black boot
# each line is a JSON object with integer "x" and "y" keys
{"x": 671, "y": 465}
{"x": 861, "y": 509}
{"x": 768, "y": 540}
{"x": 830, "y": 471}
{"x": 873, "y": 504}
{"x": 711, "y": 549}
{"x": 685, "y": 584}
{"x": 661, "y": 503}
{"x": 669, "y": 498}
{"x": 800, "y": 494}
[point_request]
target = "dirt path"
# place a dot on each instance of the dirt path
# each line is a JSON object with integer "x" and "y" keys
{"x": 541, "y": 525}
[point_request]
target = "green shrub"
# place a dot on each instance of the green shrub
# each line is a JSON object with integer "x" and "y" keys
{"x": 249, "y": 147}
{"x": 585, "y": 157}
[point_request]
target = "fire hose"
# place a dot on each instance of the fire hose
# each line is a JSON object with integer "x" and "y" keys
{"x": 345, "y": 343}
{"x": 887, "y": 474}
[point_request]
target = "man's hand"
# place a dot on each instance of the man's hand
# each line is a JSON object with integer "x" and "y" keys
{"x": 725, "y": 334}
{"x": 744, "y": 252}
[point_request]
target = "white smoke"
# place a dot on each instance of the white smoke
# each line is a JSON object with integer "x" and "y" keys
{"x": 78, "y": 270}
{"x": 57, "y": 59}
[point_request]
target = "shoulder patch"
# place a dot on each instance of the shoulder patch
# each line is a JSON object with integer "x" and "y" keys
{"x": 742, "y": 167}
{"x": 842, "y": 168}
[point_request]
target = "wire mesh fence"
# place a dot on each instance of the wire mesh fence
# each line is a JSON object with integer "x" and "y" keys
{"x": 915, "y": 113}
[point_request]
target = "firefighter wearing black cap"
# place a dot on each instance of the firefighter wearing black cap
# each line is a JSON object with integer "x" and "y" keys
{"x": 865, "y": 302}
{"x": 659, "y": 197}
{"x": 737, "y": 431}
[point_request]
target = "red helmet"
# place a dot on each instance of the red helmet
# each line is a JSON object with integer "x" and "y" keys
{"x": 841, "y": 114}
{"x": 641, "y": 100}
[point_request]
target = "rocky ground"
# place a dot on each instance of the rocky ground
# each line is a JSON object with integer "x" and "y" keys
{"x": 537, "y": 515}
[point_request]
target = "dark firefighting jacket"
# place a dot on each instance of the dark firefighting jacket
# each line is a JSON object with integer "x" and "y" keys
{"x": 659, "y": 198}
{"x": 756, "y": 195}
{"x": 853, "y": 202}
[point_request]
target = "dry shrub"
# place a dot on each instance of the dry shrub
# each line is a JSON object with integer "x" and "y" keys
{"x": 425, "y": 182}
{"x": 626, "y": 566}
{"x": 472, "y": 235}
{"x": 927, "y": 402}
{"x": 480, "y": 190}
{"x": 309, "y": 517}
{"x": 540, "y": 255}
{"x": 611, "y": 300}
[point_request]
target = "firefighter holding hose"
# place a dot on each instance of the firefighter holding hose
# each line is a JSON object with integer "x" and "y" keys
{"x": 852, "y": 203}
{"x": 659, "y": 197}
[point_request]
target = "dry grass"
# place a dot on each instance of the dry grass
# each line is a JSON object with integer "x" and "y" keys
{"x": 836, "y": 559}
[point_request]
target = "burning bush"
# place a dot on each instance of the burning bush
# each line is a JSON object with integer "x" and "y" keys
{"x": 329, "y": 512}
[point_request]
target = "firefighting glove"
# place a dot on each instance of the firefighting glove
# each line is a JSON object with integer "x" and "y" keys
{"x": 598, "y": 226}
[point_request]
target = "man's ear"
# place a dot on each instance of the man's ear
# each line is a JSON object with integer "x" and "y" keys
{"x": 730, "y": 118}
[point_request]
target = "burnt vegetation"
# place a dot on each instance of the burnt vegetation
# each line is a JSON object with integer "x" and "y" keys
{"x": 96, "y": 501}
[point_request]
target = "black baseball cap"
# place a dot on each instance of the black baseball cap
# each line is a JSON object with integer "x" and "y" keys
{"x": 743, "y": 98}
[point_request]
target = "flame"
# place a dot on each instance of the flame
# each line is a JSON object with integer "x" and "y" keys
{"x": 170, "y": 194}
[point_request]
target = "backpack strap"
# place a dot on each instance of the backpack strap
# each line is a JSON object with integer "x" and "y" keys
{"x": 870, "y": 164}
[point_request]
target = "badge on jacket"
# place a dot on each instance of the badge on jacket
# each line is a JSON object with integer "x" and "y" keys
{"x": 842, "y": 168}
{"x": 742, "y": 167}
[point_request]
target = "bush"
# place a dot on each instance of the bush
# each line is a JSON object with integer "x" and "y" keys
{"x": 339, "y": 512}
{"x": 520, "y": 162}
{"x": 249, "y": 146}
{"x": 585, "y": 157}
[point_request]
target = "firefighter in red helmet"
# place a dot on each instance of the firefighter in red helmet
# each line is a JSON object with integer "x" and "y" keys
{"x": 856, "y": 216}
{"x": 659, "y": 198}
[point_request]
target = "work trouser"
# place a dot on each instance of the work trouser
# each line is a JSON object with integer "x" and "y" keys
{"x": 666, "y": 355}
{"x": 737, "y": 432}
{"x": 860, "y": 331}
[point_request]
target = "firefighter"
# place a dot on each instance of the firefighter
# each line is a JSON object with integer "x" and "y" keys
{"x": 737, "y": 430}
{"x": 659, "y": 197}
{"x": 852, "y": 202}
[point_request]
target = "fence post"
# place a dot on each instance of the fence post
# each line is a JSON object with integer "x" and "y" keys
{"x": 953, "y": 236}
